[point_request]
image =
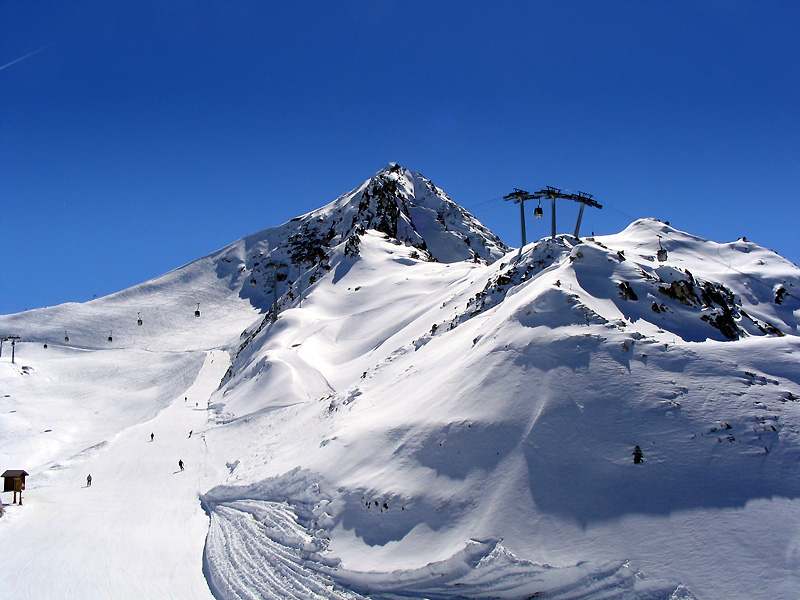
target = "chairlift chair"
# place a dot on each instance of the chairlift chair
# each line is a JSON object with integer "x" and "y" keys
{"x": 66, "y": 337}
{"x": 138, "y": 318}
{"x": 111, "y": 336}
{"x": 538, "y": 213}
{"x": 197, "y": 312}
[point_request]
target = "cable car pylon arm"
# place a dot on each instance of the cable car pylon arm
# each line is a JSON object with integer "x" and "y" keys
{"x": 582, "y": 198}
{"x": 519, "y": 196}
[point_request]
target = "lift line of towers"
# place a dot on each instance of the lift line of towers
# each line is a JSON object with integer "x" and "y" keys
{"x": 13, "y": 338}
{"x": 519, "y": 196}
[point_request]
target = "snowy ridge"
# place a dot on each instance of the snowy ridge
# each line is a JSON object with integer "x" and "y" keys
{"x": 759, "y": 295}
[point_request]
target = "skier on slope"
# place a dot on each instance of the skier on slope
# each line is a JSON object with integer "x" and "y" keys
{"x": 180, "y": 464}
{"x": 637, "y": 455}
{"x": 89, "y": 480}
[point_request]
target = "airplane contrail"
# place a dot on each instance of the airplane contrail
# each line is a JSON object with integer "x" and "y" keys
{"x": 13, "y": 62}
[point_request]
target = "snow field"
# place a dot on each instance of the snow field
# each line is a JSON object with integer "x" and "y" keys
{"x": 139, "y": 530}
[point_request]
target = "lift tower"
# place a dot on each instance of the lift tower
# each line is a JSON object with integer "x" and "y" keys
{"x": 519, "y": 197}
{"x": 584, "y": 199}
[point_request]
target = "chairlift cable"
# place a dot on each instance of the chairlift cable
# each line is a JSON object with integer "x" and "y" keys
{"x": 482, "y": 207}
{"x": 479, "y": 204}
{"x": 485, "y": 210}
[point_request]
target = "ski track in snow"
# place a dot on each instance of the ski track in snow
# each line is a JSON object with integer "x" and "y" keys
{"x": 265, "y": 549}
{"x": 98, "y": 543}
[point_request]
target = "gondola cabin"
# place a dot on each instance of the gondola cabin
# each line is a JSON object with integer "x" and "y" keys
{"x": 14, "y": 481}
{"x": 661, "y": 255}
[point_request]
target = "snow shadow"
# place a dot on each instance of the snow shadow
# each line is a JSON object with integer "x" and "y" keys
{"x": 378, "y": 519}
{"x": 556, "y": 308}
{"x": 456, "y": 449}
{"x": 579, "y": 467}
{"x": 574, "y": 352}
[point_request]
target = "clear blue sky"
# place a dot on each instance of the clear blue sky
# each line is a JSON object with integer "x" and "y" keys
{"x": 140, "y": 136}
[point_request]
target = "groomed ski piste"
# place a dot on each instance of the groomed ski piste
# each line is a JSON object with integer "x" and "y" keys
{"x": 402, "y": 427}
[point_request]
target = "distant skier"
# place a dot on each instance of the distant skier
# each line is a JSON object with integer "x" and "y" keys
{"x": 180, "y": 464}
{"x": 89, "y": 480}
{"x": 190, "y": 432}
{"x": 152, "y": 435}
{"x": 637, "y": 455}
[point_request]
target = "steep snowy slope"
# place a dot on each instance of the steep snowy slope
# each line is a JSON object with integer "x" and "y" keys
{"x": 408, "y": 412}
{"x": 508, "y": 404}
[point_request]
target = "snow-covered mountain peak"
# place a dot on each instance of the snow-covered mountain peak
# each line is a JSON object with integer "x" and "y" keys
{"x": 367, "y": 398}
{"x": 407, "y": 207}
{"x": 402, "y": 205}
